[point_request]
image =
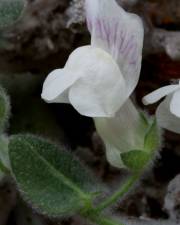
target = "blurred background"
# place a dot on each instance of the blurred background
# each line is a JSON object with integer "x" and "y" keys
{"x": 40, "y": 42}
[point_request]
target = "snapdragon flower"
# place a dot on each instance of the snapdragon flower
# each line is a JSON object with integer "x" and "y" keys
{"x": 98, "y": 79}
{"x": 168, "y": 112}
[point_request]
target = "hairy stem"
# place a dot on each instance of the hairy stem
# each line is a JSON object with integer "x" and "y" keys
{"x": 118, "y": 194}
{"x": 94, "y": 213}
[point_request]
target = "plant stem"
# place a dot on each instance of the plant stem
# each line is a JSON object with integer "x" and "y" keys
{"x": 118, "y": 194}
{"x": 95, "y": 216}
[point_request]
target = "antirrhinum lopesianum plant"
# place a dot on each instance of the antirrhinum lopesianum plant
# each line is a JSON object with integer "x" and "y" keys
{"x": 98, "y": 81}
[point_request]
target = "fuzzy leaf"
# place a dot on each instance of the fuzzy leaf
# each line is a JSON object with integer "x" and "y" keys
{"x": 4, "y": 109}
{"x": 49, "y": 177}
{"x": 135, "y": 160}
{"x": 10, "y": 11}
{"x": 152, "y": 138}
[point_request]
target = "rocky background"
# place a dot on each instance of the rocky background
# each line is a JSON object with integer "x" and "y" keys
{"x": 40, "y": 42}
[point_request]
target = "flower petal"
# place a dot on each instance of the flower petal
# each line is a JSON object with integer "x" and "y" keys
{"x": 56, "y": 85}
{"x": 156, "y": 95}
{"x": 175, "y": 104}
{"x": 165, "y": 118}
{"x": 120, "y": 34}
{"x": 100, "y": 92}
{"x": 122, "y": 133}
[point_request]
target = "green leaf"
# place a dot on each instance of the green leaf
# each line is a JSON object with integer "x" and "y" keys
{"x": 135, "y": 160}
{"x": 10, "y": 11}
{"x": 49, "y": 177}
{"x": 4, "y": 109}
{"x": 152, "y": 137}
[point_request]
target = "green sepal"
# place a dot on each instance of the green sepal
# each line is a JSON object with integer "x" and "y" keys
{"x": 135, "y": 160}
{"x": 4, "y": 109}
{"x": 152, "y": 137}
{"x": 10, "y": 11}
{"x": 49, "y": 177}
{"x": 144, "y": 119}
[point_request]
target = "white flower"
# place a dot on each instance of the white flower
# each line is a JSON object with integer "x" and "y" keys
{"x": 123, "y": 133}
{"x": 168, "y": 112}
{"x": 99, "y": 78}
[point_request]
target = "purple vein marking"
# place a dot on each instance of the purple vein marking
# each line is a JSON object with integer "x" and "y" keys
{"x": 115, "y": 32}
{"x": 127, "y": 45}
{"x": 98, "y": 27}
{"x": 134, "y": 55}
{"x": 107, "y": 32}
